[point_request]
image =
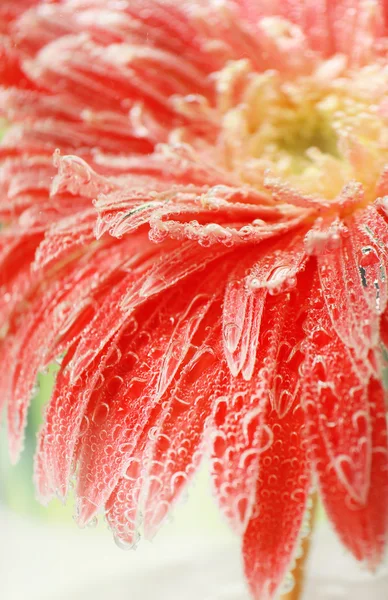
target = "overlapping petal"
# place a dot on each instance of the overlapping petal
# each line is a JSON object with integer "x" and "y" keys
{"x": 347, "y": 436}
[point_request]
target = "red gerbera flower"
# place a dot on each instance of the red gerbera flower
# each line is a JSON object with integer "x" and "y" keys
{"x": 229, "y": 295}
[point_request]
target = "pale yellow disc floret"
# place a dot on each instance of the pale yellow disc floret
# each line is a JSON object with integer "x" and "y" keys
{"x": 315, "y": 131}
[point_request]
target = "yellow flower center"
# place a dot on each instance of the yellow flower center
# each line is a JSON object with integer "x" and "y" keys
{"x": 315, "y": 131}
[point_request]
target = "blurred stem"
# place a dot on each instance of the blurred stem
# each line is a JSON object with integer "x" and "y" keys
{"x": 299, "y": 571}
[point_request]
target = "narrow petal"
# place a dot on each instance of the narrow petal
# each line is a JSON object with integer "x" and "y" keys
{"x": 56, "y": 318}
{"x": 17, "y": 251}
{"x": 64, "y": 421}
{"x": 65, "y": 239}
{"x": 171, "y": 445}
{"x": 241, "y": 433}
{"x": 347, "y": 435}
{"x": 239, "y": 436}
{"x": 354, "y": 297}
{"x": 179, "y": 441}
{"x": 271, "y": 537}
{"x": 256, "y": 275}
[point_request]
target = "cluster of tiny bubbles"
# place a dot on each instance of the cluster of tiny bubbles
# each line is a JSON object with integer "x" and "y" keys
{"x": 158, "y": 234}
{"x": 319, "y": 241}
{"x": 282, "y": 279}
{"x": 126, "y": 533}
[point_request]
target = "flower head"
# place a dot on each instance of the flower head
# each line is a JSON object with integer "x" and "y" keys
{"x": 206, "y": 254}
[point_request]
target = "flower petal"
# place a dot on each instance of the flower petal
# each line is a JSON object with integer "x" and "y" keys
{"x": 171, "y": 445}
{"x": 241, "y": 433}
{"x": 355, "y": 290}
{"x": 179, "y": 441}
{"x": 64, "y": 422}
{"x": 271, "y": 537}
{"x": 270, "y": 270}
{"x": 347, "y": 435}
{"x": 150, "y": 273}
{"x": 130, "y": 394}
{"x": 55, "y": 320}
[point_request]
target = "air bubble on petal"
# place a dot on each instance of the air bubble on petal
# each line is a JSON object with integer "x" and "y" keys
{"x": 100, "y": 413}
{"x": 288, "y": 584}
{"x": 232, "y": 336}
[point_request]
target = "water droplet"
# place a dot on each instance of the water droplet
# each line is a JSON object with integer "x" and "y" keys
{"x": 127, "y": 545}
{"x": 93, "y": 523}
{"x": 288, "y": 584}
{"x": 232, "y": 335}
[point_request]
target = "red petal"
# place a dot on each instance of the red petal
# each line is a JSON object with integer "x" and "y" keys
{"x": 168, "y": 324}
{"x": 56, "y": 316}
{"x": 272, "y": 270}
{"x": 16, "y": 254}
{"x": 347, "y": 435}
{"x": 372, "y": 258}
{"x": 271, "y": 537}
{"x": 170, "y": 447}
{"x": 239, "y": 437}
{"x": 179, "y": 437}
{"x": 64, "y": 422}
{"x": 65, "y": 238}
{"x": 145, "y": 201}
{"x": 111, "y": 314}
{"x": 151, "y": 272}
{"x": 242, "y": 434}
{"x": 347, "y": 278}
